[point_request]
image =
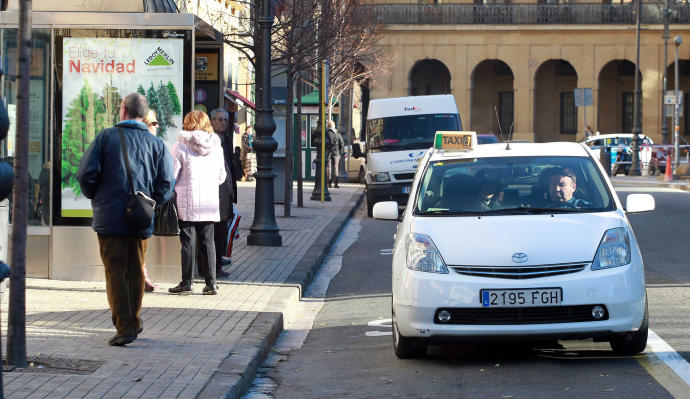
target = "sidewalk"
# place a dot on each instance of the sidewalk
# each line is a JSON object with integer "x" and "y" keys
{"x": 191, "y": 346}
{"x": 650, "y": 181}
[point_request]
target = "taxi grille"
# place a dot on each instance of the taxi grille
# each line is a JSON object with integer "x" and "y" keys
{"x": 520, "y": 273}
{"x": 522, "y": 315}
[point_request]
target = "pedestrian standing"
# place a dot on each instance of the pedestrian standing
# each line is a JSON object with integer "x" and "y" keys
{"x": 246, "y": 149}
{"x": 588, "y": 132}
{"x": 227, "y": 191}
{"x": 199, "y": 170}
{"x": 151, "y": 122}
{"x": 337, "y": 148}
{"x": 103, "y": 178}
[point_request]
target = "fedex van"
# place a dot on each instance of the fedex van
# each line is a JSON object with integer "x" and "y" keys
{"x": 399, "y": 131}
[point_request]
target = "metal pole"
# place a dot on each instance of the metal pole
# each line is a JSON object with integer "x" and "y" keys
{"x": 676, "y": 110}
{"x": 666, "y": 36}
{"x": 264, "y": 230}
{"x": 637, "y": 129}
{"x": 300, "y": 166}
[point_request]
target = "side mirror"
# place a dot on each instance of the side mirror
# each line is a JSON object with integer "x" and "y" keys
{"x": 356, "y": 151}
{"x": 636, "y": 203}
{"x": 386, "y": 210}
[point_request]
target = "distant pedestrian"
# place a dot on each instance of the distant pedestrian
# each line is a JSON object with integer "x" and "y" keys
{"x": 337, "y": 148}
{"x": 199, "y": 170}
{"x": 246, "y": 149}
{"x": 103, "y": 178}
{"x": 152, "y": 123}
{"x": 227, "y": 190}
{"x": 588, "y": 132}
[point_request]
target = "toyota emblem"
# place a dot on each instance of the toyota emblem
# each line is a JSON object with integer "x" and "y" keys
{"x": 519, "y": 257}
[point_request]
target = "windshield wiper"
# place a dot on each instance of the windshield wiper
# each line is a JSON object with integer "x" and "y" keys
{"x": 533, "y": 211}
{"x": 448, "y": 212}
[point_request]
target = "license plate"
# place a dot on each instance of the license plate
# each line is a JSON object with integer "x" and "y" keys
{"x": 521, "y": 297}
{"x": 406, "y": 189}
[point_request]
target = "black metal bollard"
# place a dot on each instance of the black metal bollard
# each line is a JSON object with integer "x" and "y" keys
{"x": 605, "y": 158}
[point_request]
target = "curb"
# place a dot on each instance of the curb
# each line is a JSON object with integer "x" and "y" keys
{"x": 304, "y": 272}
{"x": 237, "y": 371}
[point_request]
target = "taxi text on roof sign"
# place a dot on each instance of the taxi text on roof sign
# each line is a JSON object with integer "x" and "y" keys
{"x": 455, "y": 141}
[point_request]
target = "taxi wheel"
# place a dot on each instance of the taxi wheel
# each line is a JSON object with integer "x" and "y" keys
{"x": 406, "y": 348}
{"x": 633, "y": 342}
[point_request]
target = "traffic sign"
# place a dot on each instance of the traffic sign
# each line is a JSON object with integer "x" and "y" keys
{"x": 583, "y": 97}
{"x": 670, "y": 98}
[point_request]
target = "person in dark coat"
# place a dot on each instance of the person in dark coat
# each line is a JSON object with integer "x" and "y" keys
{"x": 228, "y": 190}
{"x": 103, "y": 178}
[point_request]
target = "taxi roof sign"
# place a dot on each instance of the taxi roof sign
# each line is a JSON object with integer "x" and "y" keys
{"x": 455, "y": 141}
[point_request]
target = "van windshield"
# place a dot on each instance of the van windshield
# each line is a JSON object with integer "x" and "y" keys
{"x": 409, "y": 131}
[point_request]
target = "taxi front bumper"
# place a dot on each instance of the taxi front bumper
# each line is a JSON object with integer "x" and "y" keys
{"x": 418, "y": 296}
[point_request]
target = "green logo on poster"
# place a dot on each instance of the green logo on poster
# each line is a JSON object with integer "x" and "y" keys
{"x": 160, "y": 61}
{"x": 159, "y": 58}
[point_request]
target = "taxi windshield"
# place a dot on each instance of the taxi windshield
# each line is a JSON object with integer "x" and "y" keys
{"x": 510, "y": 185}
{"x": 408, "y": 131}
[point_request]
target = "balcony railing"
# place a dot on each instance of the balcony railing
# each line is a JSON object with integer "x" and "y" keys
{"x": 523, "y": 14}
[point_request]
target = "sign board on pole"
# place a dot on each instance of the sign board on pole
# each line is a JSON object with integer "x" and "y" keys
{"x": 583, "y": 97}
{"x": 670, "y": 99}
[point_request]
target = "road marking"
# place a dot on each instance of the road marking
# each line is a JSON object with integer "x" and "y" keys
{"x": 666, "y": 366}
{"x": 384, "y": 323}
{"x": 386, "y": 252}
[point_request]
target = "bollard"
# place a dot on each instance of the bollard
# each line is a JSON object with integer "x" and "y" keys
{"x": 605, "y": 158}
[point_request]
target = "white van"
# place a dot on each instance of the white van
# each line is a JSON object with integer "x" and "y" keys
{"x": 399, "y": 131}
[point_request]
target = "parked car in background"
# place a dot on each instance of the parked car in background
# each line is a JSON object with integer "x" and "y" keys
{"x": 354, "y": 166}
{"x": 487, "y": 139}
{"x": 621, "y": 150}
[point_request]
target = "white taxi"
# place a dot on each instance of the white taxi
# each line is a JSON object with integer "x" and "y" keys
{"x": 515, "y": 240}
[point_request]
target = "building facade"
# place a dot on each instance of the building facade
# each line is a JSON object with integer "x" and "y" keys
{"x": 513, "y": 66}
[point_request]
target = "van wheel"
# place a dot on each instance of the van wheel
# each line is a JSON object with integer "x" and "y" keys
{"x": 406, "y": 348}
{"x": 633, "y": 342}
{"x": 370, "y": 206}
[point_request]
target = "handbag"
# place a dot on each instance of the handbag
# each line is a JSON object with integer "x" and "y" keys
{"x": 165, "y": 219}
{"x": 140, "y": 207}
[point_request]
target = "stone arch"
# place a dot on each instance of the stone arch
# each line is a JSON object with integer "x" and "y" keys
{"x": 616, "y": 97}
{"x": 429, "y": 76}
{"x": 493, "y": 91}
{"x": 555, "y": 114}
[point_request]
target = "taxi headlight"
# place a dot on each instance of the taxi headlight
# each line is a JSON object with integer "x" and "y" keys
{"x": 614, "y": 250}
{"x": 423, "y": 255}
{"x": 380, "y": 177}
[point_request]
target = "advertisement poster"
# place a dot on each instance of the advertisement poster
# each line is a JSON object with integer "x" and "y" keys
{"x": 97, "y": 73}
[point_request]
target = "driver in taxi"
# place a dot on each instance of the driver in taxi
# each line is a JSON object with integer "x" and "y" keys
{"x": 562, "y": 186}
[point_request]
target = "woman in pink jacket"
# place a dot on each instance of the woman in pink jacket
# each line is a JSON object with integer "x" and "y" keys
{"x": 199, "y": 170}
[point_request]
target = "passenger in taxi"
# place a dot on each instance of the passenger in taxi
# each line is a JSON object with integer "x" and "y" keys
{"x": 562, "y": 186}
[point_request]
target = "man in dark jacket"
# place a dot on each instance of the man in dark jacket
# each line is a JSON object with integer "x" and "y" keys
{"x": 103, "y": 178}
{"x": 228, "y": 190}
{"x": 336, "y": 150}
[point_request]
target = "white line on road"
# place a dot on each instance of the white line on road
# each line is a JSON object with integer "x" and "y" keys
{"x": 668, "y": 355}
{"x": 386, "y": 251}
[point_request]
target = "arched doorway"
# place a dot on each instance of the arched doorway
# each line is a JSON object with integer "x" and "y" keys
{"x": 429, "y": 77}
{"x": 555, "y": 114}
{"x": 616, "y": 97}
{"x": 684, "y": 86}
{"x": 492, "y": 99}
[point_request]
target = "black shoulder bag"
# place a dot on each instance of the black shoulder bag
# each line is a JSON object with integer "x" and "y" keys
{"x": 165, "y": 220}
{"x": 140, "y": 207}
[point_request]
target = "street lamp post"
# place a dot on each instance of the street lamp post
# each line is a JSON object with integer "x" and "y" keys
{"x": 264, "y": 230}
{"x": 676, "y": 110}
{"x": 666, "y": 36}
{"x": 637, "y": 129}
